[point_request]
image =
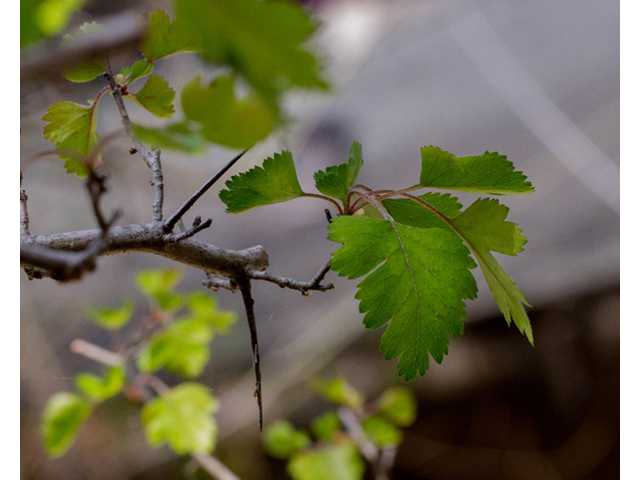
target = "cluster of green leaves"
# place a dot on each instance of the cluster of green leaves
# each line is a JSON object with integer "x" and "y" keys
{"x": 334, "y": 454}
{"x": 414, "y": 252}
{"x": 263, "y": 43}
{"x": 182, "y": 416}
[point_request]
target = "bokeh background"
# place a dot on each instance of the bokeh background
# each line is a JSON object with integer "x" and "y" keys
{"x": 536, "y": 81}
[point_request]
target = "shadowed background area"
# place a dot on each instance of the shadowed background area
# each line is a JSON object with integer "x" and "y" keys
{"x": 537, "y": 82}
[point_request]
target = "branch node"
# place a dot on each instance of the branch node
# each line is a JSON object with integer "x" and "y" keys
{"x": 197, "y": 226}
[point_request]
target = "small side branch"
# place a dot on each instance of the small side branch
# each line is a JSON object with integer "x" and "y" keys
{"x": 171, "y": 222}
{"x": 245, "y": 287}
{"x": 216, "y": 282}
{"x": 195, "y": 228}
{"x": 302, "y": 287}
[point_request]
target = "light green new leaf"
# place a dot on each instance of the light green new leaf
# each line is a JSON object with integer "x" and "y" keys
{"x": 275, "y": 182}
{"x": 484, "y": 229}
{"x": 490, "y": 173}
{"x": 112, "y": 318}
{"x": 337, "y": 390}
{"x": 91, "y": 69}
{"x": 182, "y": 348}
{"x": 72, "y": 127}
{"x": 165, "y": 38}
{"x": 180, "y": 137}
{"x": 158, "y": 285}
{"x": 64, "y": 415}
{"x": 281, "y": 440}
{"x": 98, "y": 388}
{"x": 409, "y": 212}
{"x": 156, "y": 97}
{"x": 40, "y": 18}
{"x": 336, "y": 180}
{"x": 381, "y": 432}
{"x": 419, "y": 286}
{"x": 324, "y": 426}
{"x": 182, "y": 417}
{"x": 140, "y": 68}
{"x": 229, "y": 120}
{"x": 398, "y": 405}
{"x": 204, "y": 307}
{"x": 330, "y": 462}
{"x": 264, "y": 41}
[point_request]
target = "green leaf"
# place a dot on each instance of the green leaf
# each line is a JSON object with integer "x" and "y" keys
{"x": 156, "y": 97}
{"x": 91, "y": 69}
{"x": 40, "y": 18}
{"x": 183, "y": 348}
{"x": 275, "y": 182}
{"x": 336, "y": 180}
{"x": 281, "y": 440}
{"x": 419, "y": 286}
{"x": 158, "y": 285}
{"x": 64, "y": 415}
{"x": 164, "y": 37}
{"x": 205, "y": 308}
{"x": 182, "y": 417}
{"x": 179, "y": 136}
{"x": 409, "y": 212}
{"x": 338, "y": 390}
{"x": 112, "y": 318}
{"x": 398, "y": 405}
{"x": 72, "y": 127}
{"x": 484, "y": 229}
{"x": 98, "y": 388}
{"x": 264, "y": 41}
{"x": 381, "y": 432}
{"x": 229, "y": 120}
{"x": 324, "y": 426}
{"x": 140, "y": 68}
{"x": 489, "y": 173}
{"x": 330, "y": 462}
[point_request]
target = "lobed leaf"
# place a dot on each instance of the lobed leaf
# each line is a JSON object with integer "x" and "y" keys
{"x": 329, "y": 462}
{"x": 264, "y": 41}
{"x": 91, "y": 69}
{"x": 336, "y": 180}
{"x": 226, "y": 119}
{"x": 156, "y": 97}
{"x": 411, "y": 213}
{"x": 111, "y": 318}
{"x": 490, "y": 173}
{"x": 281, "y": 440}
{"x": 140, "y": 69}
{"x": 275, "y": 182}
{"x": 98, "y": 388}
{"x": 164, "y": 37}
{"x": 182, "y": 418}
{"x": 180, "y": 137}
{"x": 419, "y": 285}
{"x": 61, "y": 422}
{"x": 72, "y": 127}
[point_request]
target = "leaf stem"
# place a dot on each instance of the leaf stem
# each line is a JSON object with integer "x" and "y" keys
{"x": 328, "y": 199}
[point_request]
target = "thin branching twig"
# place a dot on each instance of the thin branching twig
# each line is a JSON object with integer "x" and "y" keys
{"x": 302, "y": 287}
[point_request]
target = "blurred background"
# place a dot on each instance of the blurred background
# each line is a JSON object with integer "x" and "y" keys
{"x": 536, "y": 81}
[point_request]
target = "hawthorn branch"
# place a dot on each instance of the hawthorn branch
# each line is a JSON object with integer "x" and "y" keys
{"x": 245, "y": 287}
{"x": 215, "y": 283}
{"x": 151, "y": 158}
{"x": 195, "y": 228}
{"x": 302, "y": 287}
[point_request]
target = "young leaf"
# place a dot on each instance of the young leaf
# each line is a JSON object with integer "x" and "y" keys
{"x": 98, "y": 388}
{"x": 182, "y": 417}
{"x": 484, "y": 229}
{"x": 336, "y": 180}
{"x": 158, "y": 285}
{"x": 281, "y": 440}
{"x": 183, "y": 348}
{"x": 72, "y": 127}
{"x": 164, "y": 37}
{"x": 262, "y": 40}
{"x": 330, "y": 462}
{"x": 419, "y": 287}
{"x": 204, "y": 307}
{"x": 64, "y": 415}
{"x": 156, "y": 97}
{"x": 227, "y": 119}
{"x": 111, "y": 318}
{"x": 180, "y": 137}
{"x": 381, "y": 432}
{"x": 398, "y": 405}
{"x": 338, "y": 390}
{"x": 275, "y": 182}
{"x": 89, "y": 70}
{"x": 490, "y": 173}
{"x": 140, "y": 68}
{"x": 325, "y": 425}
